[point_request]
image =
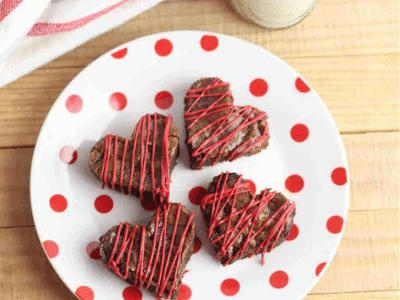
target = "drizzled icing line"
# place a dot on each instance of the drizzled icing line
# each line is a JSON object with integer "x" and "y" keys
{"x": 168, "y": 262}
{"x": 142, "y": 146}
{"x": 248, "y": 216}
{"x": 229, "y": 121}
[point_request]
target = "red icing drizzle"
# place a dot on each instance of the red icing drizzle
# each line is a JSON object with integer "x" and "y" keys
{"x": 221, "y": 198}
{"x": 233, "y": 115}
{"x": 144, "y": 128}
{"x": 168, "y": 262}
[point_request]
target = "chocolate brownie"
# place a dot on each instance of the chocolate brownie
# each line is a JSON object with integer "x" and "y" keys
{"x": 143, "y": 164}
{"x": 152, "y": 257}
{"x": 241, "y": 224}
{"x": 217, "y": 130}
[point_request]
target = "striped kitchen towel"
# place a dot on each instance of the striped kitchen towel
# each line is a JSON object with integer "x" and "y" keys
{"x": 34, "y": 32}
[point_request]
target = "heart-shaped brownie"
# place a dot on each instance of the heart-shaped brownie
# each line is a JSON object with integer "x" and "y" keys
{"x": 241, "y": 224}
{"x": 217, "y": 130}
{"x": 142, "y": 165}
{"x": 152, "y": 257}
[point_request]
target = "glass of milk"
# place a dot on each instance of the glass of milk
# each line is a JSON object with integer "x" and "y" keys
{"x": 274, "y": 14}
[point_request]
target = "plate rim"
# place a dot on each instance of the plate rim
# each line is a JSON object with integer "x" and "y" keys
{"x": 337, "y": 137}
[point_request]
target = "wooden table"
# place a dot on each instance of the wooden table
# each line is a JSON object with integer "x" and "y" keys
{"x": 347, "y": 49}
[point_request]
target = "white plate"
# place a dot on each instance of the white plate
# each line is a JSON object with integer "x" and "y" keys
{"x": 110, "y": 96}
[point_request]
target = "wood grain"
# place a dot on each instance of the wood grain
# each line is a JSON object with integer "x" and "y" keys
{"x": 15, "y": 207}
{"x": 374, "y": 180}
{"x": 369, "y": 250}
{"x": 374, "y": 170}
{"x": 385, "y": 295}
{"x": 361, "y": 93}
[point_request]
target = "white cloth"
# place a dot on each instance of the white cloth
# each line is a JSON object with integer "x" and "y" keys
{"x": 34, "y": 32}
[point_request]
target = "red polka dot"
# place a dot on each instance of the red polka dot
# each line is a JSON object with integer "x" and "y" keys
{"x": 118, "y": 101}
{"x": 301, "y": 86}
{"x": 209, "y": 42}
{"x": 253, "y": 187}
{"x": 184, "y": 292}
{"x": 197, "y": 244}
{"x": 103, "y": 204}
{"x": 230, "y": 287}
{"x": 279, "y": 279}
{"x": 196, "y": 194}
{"x": 163, "y": 47}
{"x": 120, "y": 53}
{"x": 339, "y": 176}
{"x": 58, "y": 203}
{"x": 51, "y": 248}
{"x": 93, "y": 250}
{"x": 84, "y": 293}
{"x": 149, "y": 205}
{"x": 258, "y": 87}
{"x": 164, "y": 100}
{"x": 74, "y": 104}
{"x": 335, "y": 224}
{"x": 68, "y": 155}
{"x": 294, "y": 232}
{"x": 319, "y": 269}
{"x": 294, "y": 183}
{"x": 132, "y": 293}
{"x": 299, "y": 133}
